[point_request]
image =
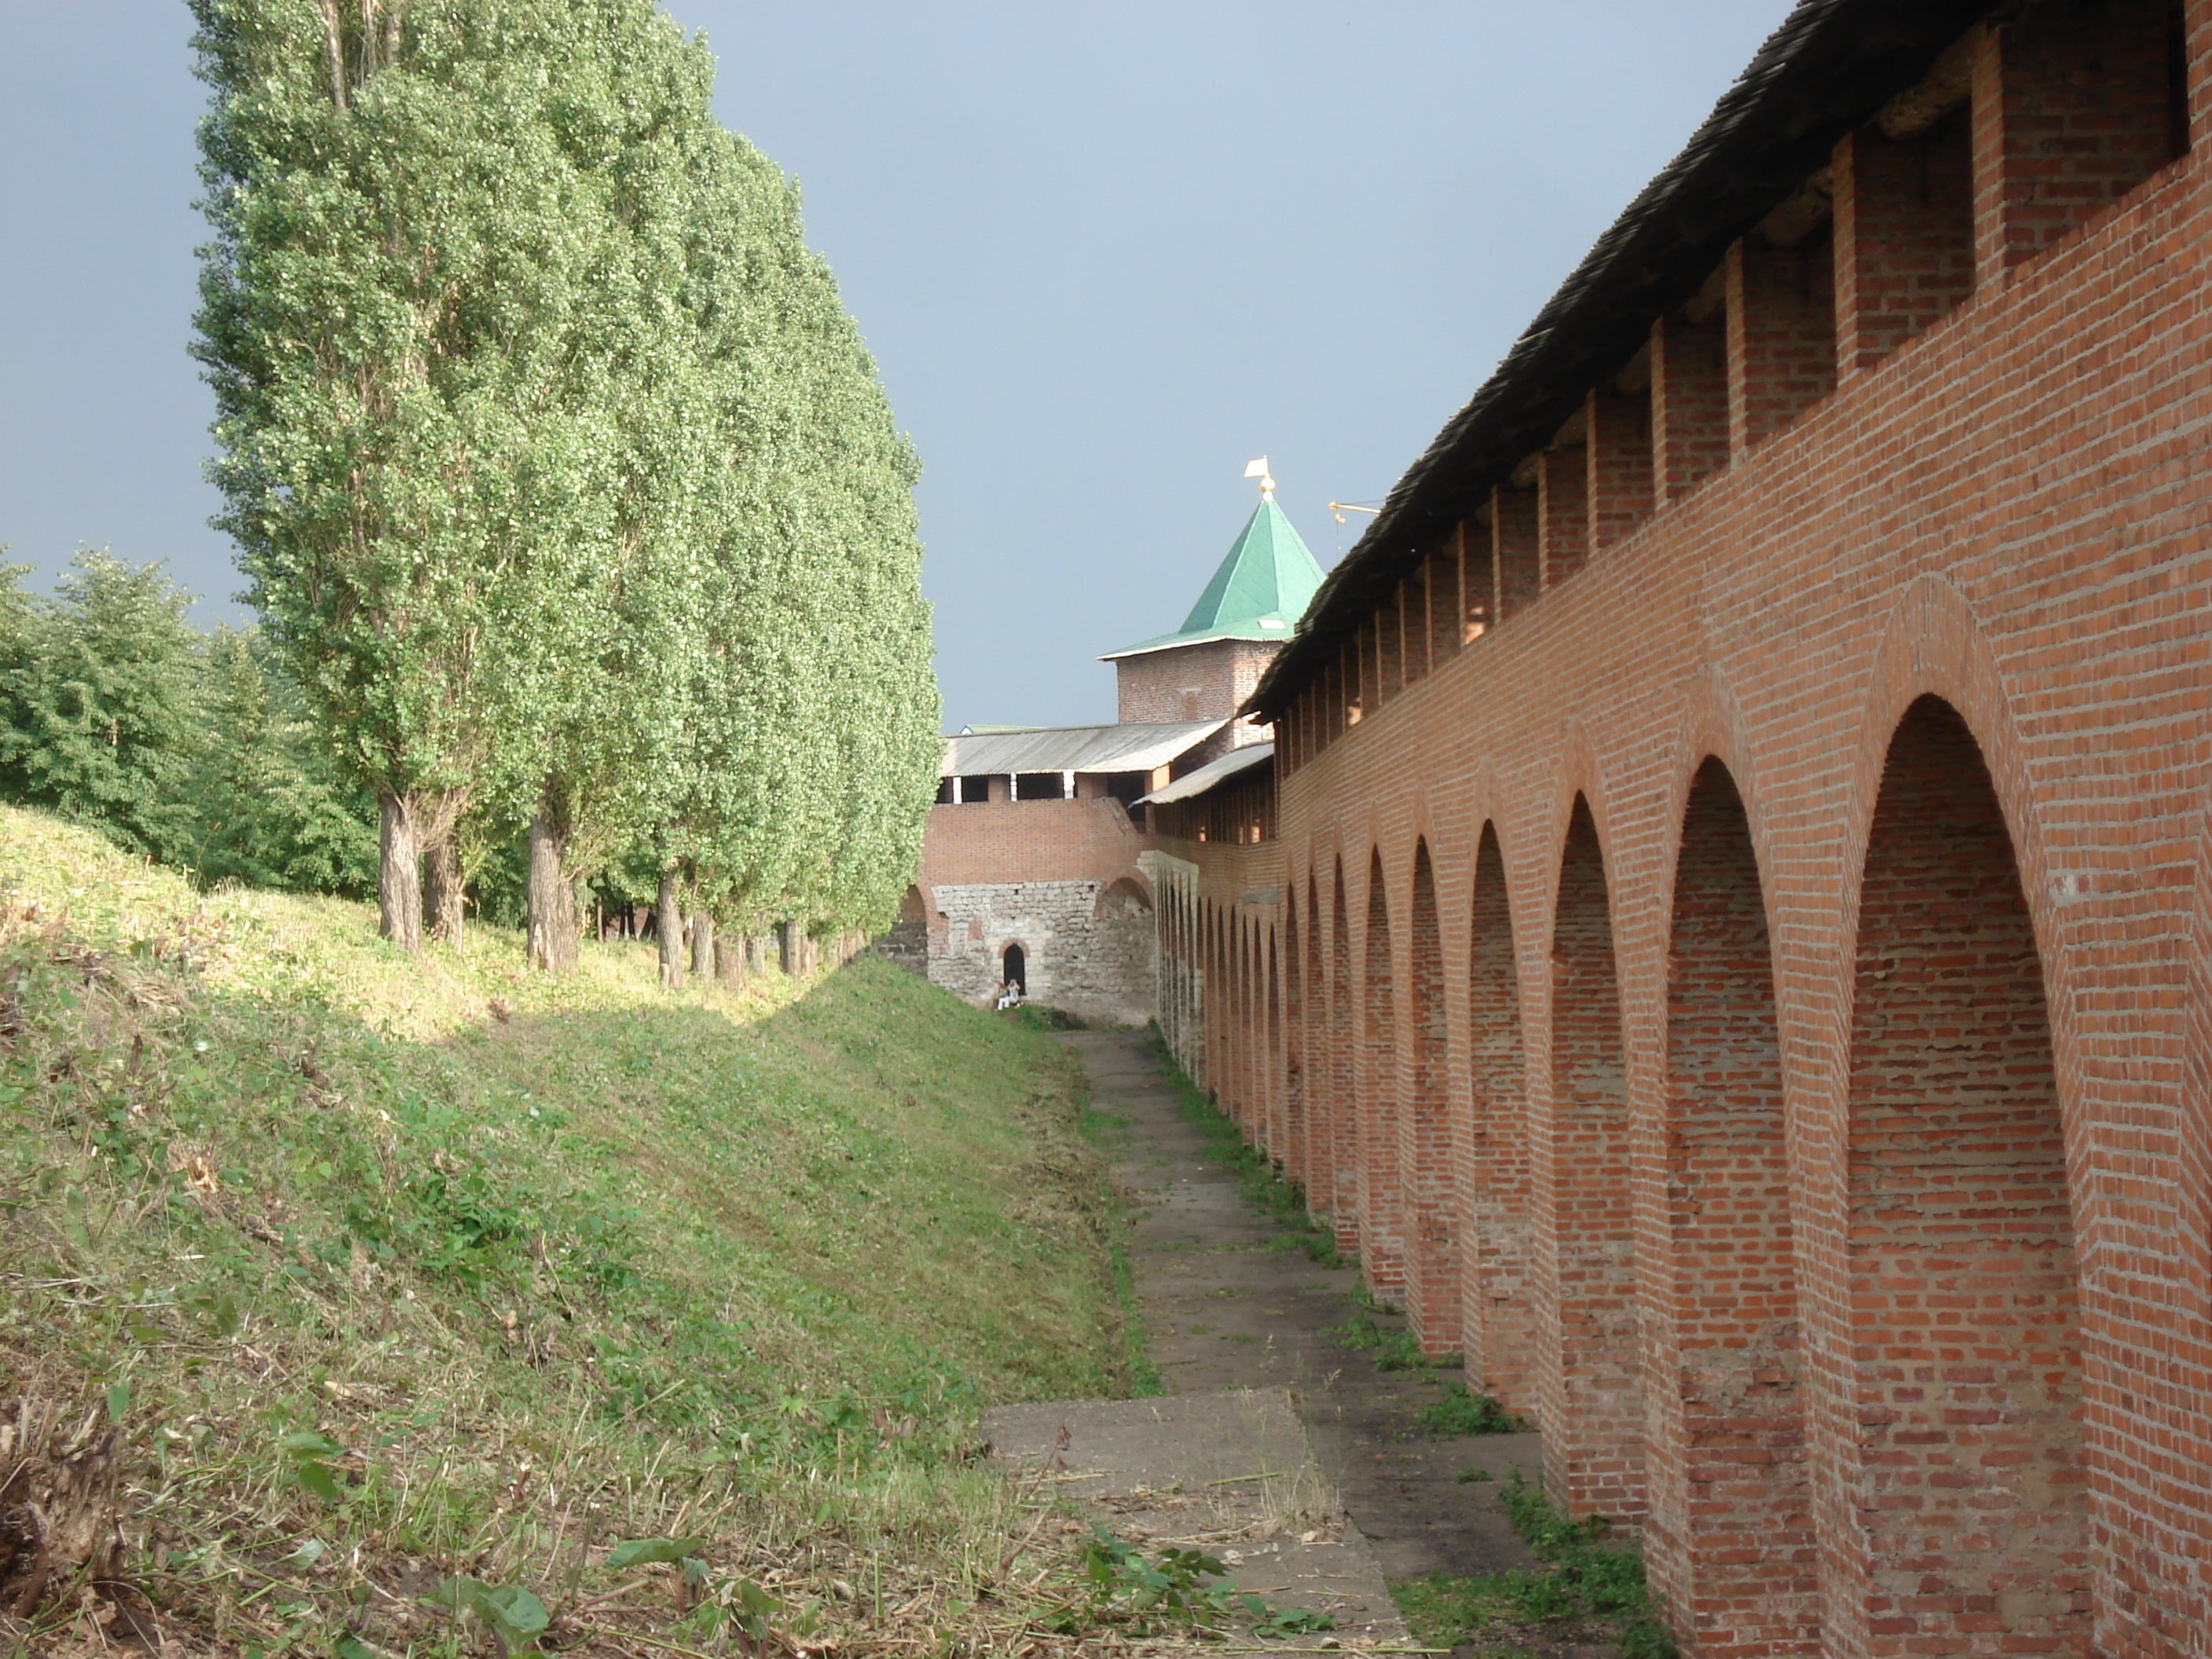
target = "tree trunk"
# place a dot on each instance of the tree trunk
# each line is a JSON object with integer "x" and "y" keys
{"x": 445, "y": 902}
{"x": 668, "y": 925}
{"x": 399, "y": 875}
{"x": 755, "y": 953}
{"x": 550, "y": 941}
{"x": 730, "y": 959}
{"x": 702, "y": 944}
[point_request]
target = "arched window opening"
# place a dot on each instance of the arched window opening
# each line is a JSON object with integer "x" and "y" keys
{"x": 1966, "y": 1346}
{"x": 1734, "y": 1315}
{"x": 1016, "y": 964}
{"x": 1593, "y": 1440}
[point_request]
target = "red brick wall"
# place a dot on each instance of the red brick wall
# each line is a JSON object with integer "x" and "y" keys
{"x": 1905, "y": 236}
{"x": 1562, "y": 513}
{"x": 1028, "y": 840}
{"x": 1339, "y": 1194}
{"x": 1424, "y": 1157}
{"x": 1619, "y": 463}
{"x": 1382, "y": 1218}
{"x": 1782, "y": 335}
{"x": 1587, "y": 1381}
{"x": 1729, "y": 1470}
{"x": 1689, "y": 403}
{"x": 1965, "y": 1326}
{"x": 2003, "y": 1392}
{"x": 1496, "y": 1306}
{"x": 1192, "y": 682}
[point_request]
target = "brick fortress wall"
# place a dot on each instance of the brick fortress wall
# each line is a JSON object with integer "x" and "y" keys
{"x": 1733, "y": 958}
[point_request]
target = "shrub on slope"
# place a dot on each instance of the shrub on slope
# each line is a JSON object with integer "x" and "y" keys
{"x": 391, "y": 1269}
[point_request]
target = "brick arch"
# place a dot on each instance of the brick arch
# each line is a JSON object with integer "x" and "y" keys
{"x": 1967, "y": 1467}
{"x": 1273, "y": 1084}
{"x": 1935, "y": 645}
{"x": 1711, "y": 726}
{"x": 1128, "y": 882}
{"x": 1425, "y": 1160}
{"x": 1320, "y": 1105}
{"x": 1590, "y": 1377}
{"x": 1728, "y": 1538}
{"x": 1381, "y": 1209}
{"x": 1290, "y": 1030}
{"x": 1577, "y": 782}
{"x": 1251, "y": 1075}
{"x": 1491, "y": 1138}
{"x": 1344, "y": 1119}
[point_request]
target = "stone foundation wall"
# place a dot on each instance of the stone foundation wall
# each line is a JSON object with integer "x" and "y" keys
{"x": 1089, "y": 957}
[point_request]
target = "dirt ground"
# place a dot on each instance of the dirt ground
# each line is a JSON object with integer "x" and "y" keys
{"x": 1225, "y": 1307}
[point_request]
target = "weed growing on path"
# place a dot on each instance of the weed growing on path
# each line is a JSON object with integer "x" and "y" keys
{"x": 1582, "y": 1579}
{"x": 1458, "y": 1410}
{"x": 1170, "y": 1588}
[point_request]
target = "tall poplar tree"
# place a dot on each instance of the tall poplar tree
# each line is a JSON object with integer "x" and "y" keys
{"x": 565, "y": 485}
{"x": 405, "y": 246}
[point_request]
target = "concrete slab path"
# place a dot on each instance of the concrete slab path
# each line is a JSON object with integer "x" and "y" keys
{"x": 1243, "y": 1335}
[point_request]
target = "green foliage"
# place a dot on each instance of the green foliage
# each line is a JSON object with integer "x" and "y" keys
{"x": 268, "y": 807}
{"x": 1582, "y": 1577}
{"x": 313, "y": 1461}
{"x": 1129, "y": 1587}
{"x": 1458, "y": 1410}
{"x": 648, "y": 1551}
{"x": 513, "y": 1614}
{"x": 100, "y": 690}
{"x": 191, "y": 748}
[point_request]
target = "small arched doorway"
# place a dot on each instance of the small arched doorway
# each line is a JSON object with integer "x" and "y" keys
{"x": 1016, "y": 966}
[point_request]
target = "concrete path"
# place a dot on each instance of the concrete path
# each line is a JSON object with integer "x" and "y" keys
{"x": 1227, "y": 1310}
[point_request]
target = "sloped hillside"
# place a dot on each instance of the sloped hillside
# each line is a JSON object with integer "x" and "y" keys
{"x": 332, "y": 1280}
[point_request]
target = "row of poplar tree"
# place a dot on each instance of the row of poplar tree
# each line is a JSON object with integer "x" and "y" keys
{"x": 564, "y": 484}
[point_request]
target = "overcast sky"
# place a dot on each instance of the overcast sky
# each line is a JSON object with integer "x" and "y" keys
{"x": 1105, "y": 254}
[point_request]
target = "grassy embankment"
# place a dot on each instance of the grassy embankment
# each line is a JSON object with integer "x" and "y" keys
{"x": 387, "y": 1271}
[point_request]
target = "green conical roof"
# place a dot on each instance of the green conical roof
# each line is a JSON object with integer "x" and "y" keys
{"x": 1259, "y": 593}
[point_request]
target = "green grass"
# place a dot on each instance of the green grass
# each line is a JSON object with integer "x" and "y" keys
{"x": 541, "y": 1263}
{"x": 1283, "y": 1203}
{"x": 1580, "y": 1577}
{"x": 1106, "y": 1131}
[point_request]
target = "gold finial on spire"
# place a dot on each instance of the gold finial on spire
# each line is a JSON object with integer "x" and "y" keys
{"x": 1259, "y": 469}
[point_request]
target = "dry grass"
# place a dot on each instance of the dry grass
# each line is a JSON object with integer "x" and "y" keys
{"x": 381, "y": 1271}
